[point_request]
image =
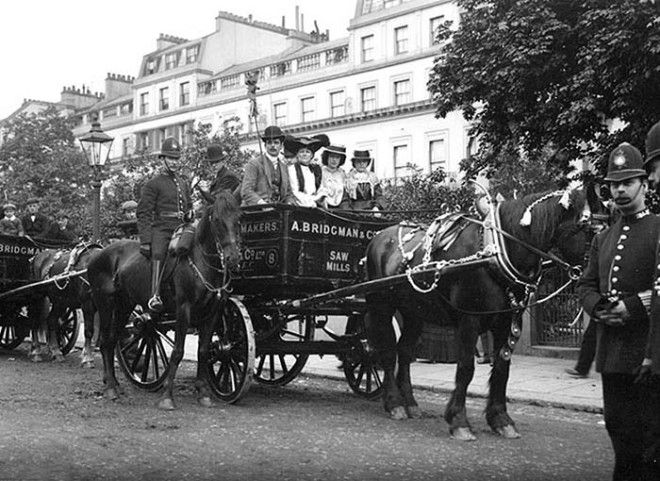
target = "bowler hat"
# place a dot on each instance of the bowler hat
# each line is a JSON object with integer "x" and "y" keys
{"x": 653, "y": 143}
{"x": 625, "y": 163}
{"x": 361, "y": 155}
{"x": 170, "y": 148}
{"x": 272, "y": 132}
{"x": 339, "y": 150}
{"x": 7, "y": 206}
{"x": 214, "y": 153}
{"x": 32, "y": 200}
{"x": 294, "y": 144}
{"x": 129, "y": 204}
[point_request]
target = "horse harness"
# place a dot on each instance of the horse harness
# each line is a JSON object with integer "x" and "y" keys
{"x": 444, "y": 231}
{"x": 74, "y": 256}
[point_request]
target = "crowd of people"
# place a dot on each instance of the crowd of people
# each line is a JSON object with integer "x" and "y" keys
{"x": 35, "y": 224}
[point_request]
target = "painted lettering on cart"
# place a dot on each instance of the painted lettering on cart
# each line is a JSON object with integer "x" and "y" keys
{"x": 338, "y": 262}
{"x": 14, "y": 249}
{"x": 255, "y": 227}
{"x": 335, "y": 230}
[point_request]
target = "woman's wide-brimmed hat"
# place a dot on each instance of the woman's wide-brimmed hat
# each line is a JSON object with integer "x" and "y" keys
{"x": 129, "y": 205}
{"x": 361, "y": 156}
{"x": 294, "y": 144}
{"x": 339, "y": 150}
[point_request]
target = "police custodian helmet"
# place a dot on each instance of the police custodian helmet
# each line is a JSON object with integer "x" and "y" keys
{"x": 170, "y": 149}
{"x": 653, "y": 144}
{"x": 625, "y": 163}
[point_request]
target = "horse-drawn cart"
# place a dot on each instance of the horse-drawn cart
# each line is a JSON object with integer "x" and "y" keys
{"x": 18, "y": 291}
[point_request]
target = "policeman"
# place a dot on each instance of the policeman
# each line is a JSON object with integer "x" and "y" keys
{"x": 615, "y": 291}
{"x": 652, "y": 166}
{"x": 164, "y": 205}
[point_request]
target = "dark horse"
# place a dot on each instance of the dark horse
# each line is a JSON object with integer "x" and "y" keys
{"x": 65, "y": 297}
{"x": 120, "y": 278}
{"x": 458, "y": 295}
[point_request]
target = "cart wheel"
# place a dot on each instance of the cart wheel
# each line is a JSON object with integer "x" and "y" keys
{"x": 281, "y": 369}
{"x": 362, "y": 372}
{"x": 67, "y": 330}
{"x": 13, "y": 330}
{"x": 231, "y": 356}
{"x": 144, "y": 352}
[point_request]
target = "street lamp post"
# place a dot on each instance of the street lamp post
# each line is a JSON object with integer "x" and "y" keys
{"x": 96, "y": 145}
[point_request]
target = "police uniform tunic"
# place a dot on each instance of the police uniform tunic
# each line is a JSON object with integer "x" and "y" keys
{"x": 163, "y": 205}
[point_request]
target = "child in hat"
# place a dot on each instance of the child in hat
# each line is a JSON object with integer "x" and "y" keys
{"x": 362, "y": 185}
{"x": 10, "y": 224}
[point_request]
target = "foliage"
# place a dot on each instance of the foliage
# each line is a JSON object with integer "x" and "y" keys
{"x": 539, "y": 76}
{"x": 39, "y": 158}
{"x": 125, "y": 183}
{"x": 427, "y": 196}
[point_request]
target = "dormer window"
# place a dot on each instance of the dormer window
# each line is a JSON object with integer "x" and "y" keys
{"x": 152, "y": 66}
{"x": 171, "y": 60}
{"x": 192, "y": 53}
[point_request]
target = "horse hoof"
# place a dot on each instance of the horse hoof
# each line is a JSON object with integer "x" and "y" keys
{"x": 398, "y": 413}
{"x": 37, "y": 358}
{"x": 111, "y": 394}
{"x": 88, "y": 364}
{"x": 463, "y": 434}
{"x": 166, "y": 404}
{"x": 508, "y": 432}
{"x": 414, "y": 412}
{"x": 206, "y": 402}
{"x": 58, "y": 358}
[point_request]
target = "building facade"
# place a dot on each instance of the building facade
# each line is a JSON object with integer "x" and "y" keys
{"x": 365, "y": 91}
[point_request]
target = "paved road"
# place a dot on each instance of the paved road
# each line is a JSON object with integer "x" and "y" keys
{"x": 55, "y": 425}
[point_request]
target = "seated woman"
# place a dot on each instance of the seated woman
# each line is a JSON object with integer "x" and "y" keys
{"x": 333, "y": 177}
{"x": 10, "y": 224}
{"x": 362, "y": 186}
{"x": 305, "y": 176}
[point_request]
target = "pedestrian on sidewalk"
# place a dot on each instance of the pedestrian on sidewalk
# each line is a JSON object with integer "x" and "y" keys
{"x": 615, "y": 291}
{"x": 587, "y": 352}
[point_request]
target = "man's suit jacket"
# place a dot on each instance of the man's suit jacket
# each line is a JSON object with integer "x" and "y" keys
{"x": 38, "y": 228}
{"x": 258, "y": 183}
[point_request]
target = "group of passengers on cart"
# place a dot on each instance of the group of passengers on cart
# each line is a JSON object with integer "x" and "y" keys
{"x": 35, "y": 224}
{"x": 287, "y": 172}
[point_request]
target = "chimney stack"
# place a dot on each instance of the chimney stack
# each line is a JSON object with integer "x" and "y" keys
{"x": 297, "y": 17}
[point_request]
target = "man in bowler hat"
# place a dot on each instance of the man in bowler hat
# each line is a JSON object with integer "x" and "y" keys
{"x": 35, "y": 224}
{"x": 266, "y": 179}
{"x": 163, "y": 206}
{"x": 224, "y": 179}
{"x": 615, "y": 291}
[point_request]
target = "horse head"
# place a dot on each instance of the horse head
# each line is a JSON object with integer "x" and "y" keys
{"x": 221, "y": 218}
{"x": 574, "y": 233}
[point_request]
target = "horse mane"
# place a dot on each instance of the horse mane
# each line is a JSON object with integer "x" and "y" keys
{"x": 225, "y": 204}
{"x": 546, "y": 215}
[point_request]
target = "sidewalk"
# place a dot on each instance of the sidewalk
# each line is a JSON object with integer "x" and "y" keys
{"x": 535, "y": 380}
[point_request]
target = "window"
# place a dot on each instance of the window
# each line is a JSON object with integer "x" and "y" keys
{"x": 438, "y": 154}
{"x": 279, "y": 113}
{"x": 152, "y": 66}
{"x": 171, "y": 60}
{"x": 401, "y": 92}
{"x": 184, "y": 94}
{"x": 337, "y": 106}
{"x": 307, "y": 109}
{"x": 164, "y": 99}
{"x": 401, "y": 155}
{"x": 367, "y": 48}
{"x": 109, "y": 112}
{"x": 434, "y": 26}
{"x": 367, "y": 99}
{"x": 143, "y": 141}
{"x": 280, "y": 69}
{"x": 144, "y": 103}
{"x": 401, "y": 40}
{"x": 207, "y": 88}
{"x": 336, "y": 55}
{"x": 125, "y": 147}
{"x": 191, "y": 54}
{"x": 126, "y": 108}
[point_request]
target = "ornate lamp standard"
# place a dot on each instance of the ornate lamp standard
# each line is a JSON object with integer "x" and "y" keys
{"x": 96, "y": 145}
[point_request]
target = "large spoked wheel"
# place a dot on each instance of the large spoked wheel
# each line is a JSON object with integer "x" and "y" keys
{"x": 144, "y": 351}
{"x": 67, "y": 330}
{"x": 280, "y": 369}
{"x": 12, "y": 330}
{"x": 231, "y": 354}
{"x": 363, "y": 373}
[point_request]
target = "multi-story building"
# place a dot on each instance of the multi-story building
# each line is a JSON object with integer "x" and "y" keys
{"x": 365, "y": 91}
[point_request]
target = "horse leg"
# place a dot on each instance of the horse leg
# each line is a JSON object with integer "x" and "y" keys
{"x": 412, "y": 329}
{"x": 496, "y": 414}
{"x": 38, "y": 313}
{"x": 91, "y": 320}
{"x": 379, "y": 329}
{"x": 202, "y": 383}
{"x": 166, "y": 401}
{"x": 109, "y": 324}
{"x": 56, "y": 312}
{"x": 455, "y": 413}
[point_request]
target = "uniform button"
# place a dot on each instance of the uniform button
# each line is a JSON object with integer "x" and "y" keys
{"x": 614, "y": 292}
{"x": 616, "y": 268}
{"x": 614, "y": 280}
{"x": 617, "y": 257}
{"x": 620, "y": 247}
{"x": 624, "y": 236}
{"x": 626, "y": 227}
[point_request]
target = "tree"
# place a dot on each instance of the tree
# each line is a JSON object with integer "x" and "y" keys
{"x": 39, "y": 158}
{"x": 545, "y": 79}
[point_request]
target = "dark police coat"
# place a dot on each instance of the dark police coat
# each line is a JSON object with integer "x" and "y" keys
{"x": 163, "y": 205}
{"x": 621, "y": 267}
{"x": 653, "y": 345}
{"x": 38, "y": 227}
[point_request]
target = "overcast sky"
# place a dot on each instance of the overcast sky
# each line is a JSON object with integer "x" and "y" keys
{"x": 47, "y": 44}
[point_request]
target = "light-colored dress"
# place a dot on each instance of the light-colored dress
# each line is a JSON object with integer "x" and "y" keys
{"x": 332, "y": 186}
{"x": 304, "y": 192}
